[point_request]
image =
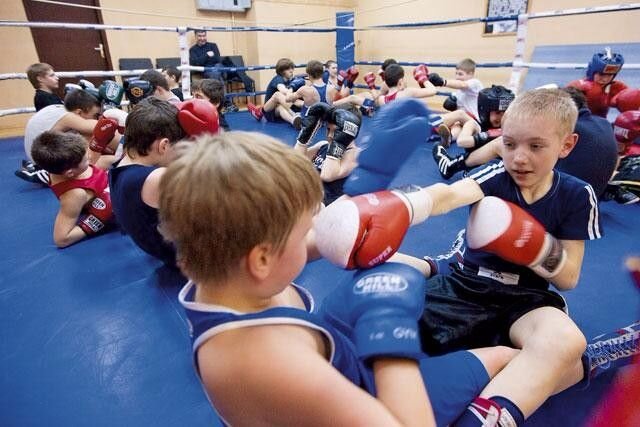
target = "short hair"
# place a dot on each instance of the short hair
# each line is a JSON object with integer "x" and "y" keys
{"x": 329, "y": 62}
{"x": 80, "y": 99}
{"x": 554, "y": 104}
{"x": 283, "y": 65}
{"x": 315, "y": 69}
{"x": 213, "y": 89}
{"x": 467, "y": 65}
{"x": 173, "y": 72}
{"x": 156, "y": 79}
{"x": 392, "y": 74}
{"x": 388, "y": 62}
{"x": 196, "y": 31}
{"x": 57, "y": 152}
{"x": 36, "y": 70}
{"x": 577, "y": 95}
{"x": 272, "y": 185}
{"x": 152, "y": 119}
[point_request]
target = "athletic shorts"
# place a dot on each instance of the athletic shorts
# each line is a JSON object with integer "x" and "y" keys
{"x": 452, "y": 382}
{"x": 464, "y": 310}
{"x": 270, "y": 116}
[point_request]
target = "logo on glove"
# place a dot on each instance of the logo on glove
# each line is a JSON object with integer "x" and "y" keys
{"x": 137, "y": 92}
{"x": 98, "y": 203}
{"x": 380, "y": 283}
{"x": 350, "y": 128}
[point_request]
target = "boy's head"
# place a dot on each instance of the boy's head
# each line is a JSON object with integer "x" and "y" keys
{"x": 393, "y": 74}
{"x": 387, "y": 62}
{"x": 156, "y": 79}
{"x": 152, "y": 120}
{"x": 210, "y": 90}
{"x": 492, "y": 103}
{"x": 315, "y": 69}
{"x": 284, "y": 68}
{"x": 604, "y": 66}
{"x": 172, "y": 74}
{"x": 537, "y": 129}
{"x": 217, "y": 236}
{"x": 83, "y": 104}
{"x": 332, "y": 67}
{"x": 465, "y": 69}
{"x": 42, "y": 76}
{"x": 61, "y": 153}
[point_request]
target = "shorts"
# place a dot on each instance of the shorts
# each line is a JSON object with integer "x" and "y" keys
{"x": 452, "y": 382}
{"x": 270, "y": 116}
{"x": 464, "y": 310}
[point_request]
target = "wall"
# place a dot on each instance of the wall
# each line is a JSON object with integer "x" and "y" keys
{"x": 432, "y": 44}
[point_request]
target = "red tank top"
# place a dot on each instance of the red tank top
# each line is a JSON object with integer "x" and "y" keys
{"x": 390, "y": 97}
{"x": 97, "y": 182}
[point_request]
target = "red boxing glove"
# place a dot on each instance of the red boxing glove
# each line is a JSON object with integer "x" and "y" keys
{"x": 342, "y": 77}
{"x": 197, "y": 116}
{"x": 421, "y": 74}
{"x": 370, "y": 80}
{"x": 597, "y": 99}
{"x": 98, "y": 213}
{"x": 103, "y": 133}
{"x": 507, "y": 230}
{"x": 367, "y": 230}
{"x": 352, "y": 73}
{"x": 627, "y": 100}
{"x": 381, "y": 73}
{"x": 117, "y": 115}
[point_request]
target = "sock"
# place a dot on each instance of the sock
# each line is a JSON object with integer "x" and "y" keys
{"x": 480, "y": 413}
{"x": 510, "y": 415}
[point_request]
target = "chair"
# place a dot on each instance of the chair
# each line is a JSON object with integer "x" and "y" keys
{"x": 237, "y": 76}
{"x": 167, "y": 62}
{"x": 135, "y": 63}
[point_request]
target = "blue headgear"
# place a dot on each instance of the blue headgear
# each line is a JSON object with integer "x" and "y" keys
{"x": 605, "y": 63}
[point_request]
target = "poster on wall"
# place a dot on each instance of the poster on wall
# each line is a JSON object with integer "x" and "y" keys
{"x": 504, "y": 8}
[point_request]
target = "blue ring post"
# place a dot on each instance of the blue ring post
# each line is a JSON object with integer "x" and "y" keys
{"x": 345, "y": 46}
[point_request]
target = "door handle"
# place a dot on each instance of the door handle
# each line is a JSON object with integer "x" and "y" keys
{"x": 100, "y": 48}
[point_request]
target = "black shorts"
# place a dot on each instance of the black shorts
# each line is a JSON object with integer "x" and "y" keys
{"x": 464, "y": 311}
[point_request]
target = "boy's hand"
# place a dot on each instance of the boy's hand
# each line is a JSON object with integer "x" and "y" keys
{"x": 507, "y": 230}
{"x": 98, "y": 214}
{"x": 421, "y": 74}
{"x": 103, "y": 133}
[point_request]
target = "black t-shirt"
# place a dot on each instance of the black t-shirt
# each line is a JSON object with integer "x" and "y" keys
{"x": 44, "y": 99}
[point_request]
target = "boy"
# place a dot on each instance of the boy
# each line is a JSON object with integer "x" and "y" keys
{"x": 160, "y": 86}
{"x": 83, "y": 191}
{"x": 173, "y": 77}
{"x": 211, "y": 90}
{"x": 241, "y": 302}
{"x": 599, "y": 86}
{"x": 152, "y": 130}
{"x": 313, "y": 93}
{"x": 275, "y": 103}
{"x": 531, "y": 234}
{"x": 44, "y": 81}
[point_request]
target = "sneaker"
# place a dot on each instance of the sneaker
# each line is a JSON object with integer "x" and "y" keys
{"x": 624, "y": 196}
{"x": 447, "y": 165}
{"x": 230, "y": 107}
{"x": 36, "y": 176}
{"x": 28, "y": 165}
{"x": 445, "y": 135}
{"x": 613, "y": 350}
{"x": 255, "y": 111}
{"x": 297, "y": 122}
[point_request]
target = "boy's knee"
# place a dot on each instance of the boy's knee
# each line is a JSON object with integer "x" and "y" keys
{"x": 563, "y": 341}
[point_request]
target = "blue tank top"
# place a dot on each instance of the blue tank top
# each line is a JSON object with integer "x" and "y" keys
{"x": 322, "y": 91}
{"x": 135, "y": 217}
{"x": 206, "y": 321}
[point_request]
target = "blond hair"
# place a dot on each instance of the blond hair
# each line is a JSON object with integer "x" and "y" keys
{"x": 467, "y": 65}
{"x": 227, "y": 193}
{"x": 554, "y": 104}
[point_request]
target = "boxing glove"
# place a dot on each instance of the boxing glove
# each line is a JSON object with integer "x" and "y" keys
{"x": 136, "y": 90}
{"x": 347, "y": 128}
{"x": 342, "y": 78}
{"x": 381, "y": 73}
{"x": 296, "y": 83}
{"x": 98, "y": 213}
{"x": 437, "y": 80}
{"x": 451, "y": 103}
{"x": 197, "y": 116}
{"x": 366, "y": 230}
{"x": 370, "y": 80}
{"x": 397, "y": 129}
{"x": 507, "y": 230}
{"x": 378, "y": 310}
{"x": 103, "y": 132}
{"x": 626, "y": 127}
{"x": 482, "y": 138}
{"x": 117, "y": 115}
{"x": 311, "y": 122}
{"x": 71, "y": 87}
{"x": 627, "y": 100}
{"x": 111, "y": 94}
{"x": 86, "y": 84}
{"x": 421, "y": 73}
{"x": 352, "y": 75}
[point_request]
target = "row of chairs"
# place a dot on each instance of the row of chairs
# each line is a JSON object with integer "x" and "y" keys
{"x": 145, "y": 63}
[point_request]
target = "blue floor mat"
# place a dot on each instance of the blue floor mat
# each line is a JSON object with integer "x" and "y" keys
{"x": 94, "y": 335}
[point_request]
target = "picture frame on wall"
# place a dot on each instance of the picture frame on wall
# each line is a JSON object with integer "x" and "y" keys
{"x": 504, "y": 8}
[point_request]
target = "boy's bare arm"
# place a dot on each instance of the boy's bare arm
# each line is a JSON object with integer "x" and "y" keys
{"x": 65, "y": 229}
{"x": 449, "y": 197}
{"x": 151, "y": 188}
{"x": 77, "y": 123}
{"x": 568, "y": 277}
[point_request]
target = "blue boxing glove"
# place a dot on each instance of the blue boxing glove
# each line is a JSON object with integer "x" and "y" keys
{"x": 296, "y": 83}
{"x": 395, "y": 132}
{"x": 379, "y": 310}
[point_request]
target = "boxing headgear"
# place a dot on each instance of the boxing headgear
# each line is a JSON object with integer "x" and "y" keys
{"x": 137, "y": 90}
{"x": 626, "y": 128}
{"x": 605, "y": 62}
{"x": 496, "y": 98}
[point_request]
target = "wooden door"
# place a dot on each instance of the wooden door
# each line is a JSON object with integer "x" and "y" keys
{"x": 69, "y": 49}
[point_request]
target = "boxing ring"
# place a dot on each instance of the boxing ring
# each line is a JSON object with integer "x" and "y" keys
{"x": 94, "y": 334}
